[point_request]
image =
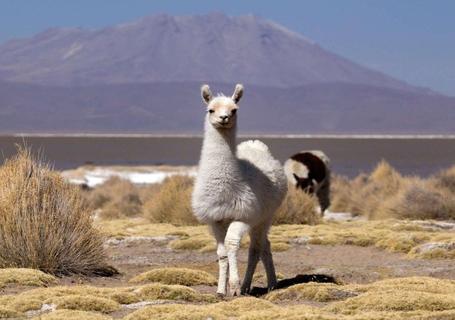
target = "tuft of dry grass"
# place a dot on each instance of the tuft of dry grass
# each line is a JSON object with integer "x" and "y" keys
{"x": 400, "y": 294}
{"x": 386, "y": 194}
{"x": 172, "y": 203}
{"x": 321, "y": 292}
{"x": 394, "y": 300}
{"x": 297, "y": 207}
{"x": 182, "y": 276}
{"x": 347, "y": 194}
{"x": 86, "y": 303}
{"x": 44, "y": 223}
{"x": 25, "y": 277}
{"x": 419, "y": 200}
{"x": 7, "y": 313}
{"x": 115, "y": 198}
{"x": 73, "y": 315}
{"x": 413, "y": 284}
{"x": 446, "y": 180}
{"x": 158, "y": 291}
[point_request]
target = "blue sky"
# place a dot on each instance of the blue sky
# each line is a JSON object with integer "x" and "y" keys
{"x": 413, "y": 40}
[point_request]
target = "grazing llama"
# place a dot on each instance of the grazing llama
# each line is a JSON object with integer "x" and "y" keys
{"x": 310, "y": 171}
{"x": 237, "y": 190}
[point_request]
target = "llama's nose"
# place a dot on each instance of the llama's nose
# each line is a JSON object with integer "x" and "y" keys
{"x": 224, "y": 117}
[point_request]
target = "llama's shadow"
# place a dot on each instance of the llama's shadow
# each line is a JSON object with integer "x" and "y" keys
{"x": 300, "y": 278}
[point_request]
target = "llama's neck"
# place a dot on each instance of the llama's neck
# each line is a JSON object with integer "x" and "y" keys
{"x": 219, "y": 148}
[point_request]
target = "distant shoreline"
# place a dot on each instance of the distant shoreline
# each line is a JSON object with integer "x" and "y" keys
{"x": 253, "y": 136}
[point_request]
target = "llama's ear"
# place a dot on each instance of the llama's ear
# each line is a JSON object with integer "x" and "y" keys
{"x": 238, "y": 93}
{"x": 206, "y": 93}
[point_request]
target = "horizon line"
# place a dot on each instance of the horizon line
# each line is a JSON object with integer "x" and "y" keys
{"x": 266, "y": 136}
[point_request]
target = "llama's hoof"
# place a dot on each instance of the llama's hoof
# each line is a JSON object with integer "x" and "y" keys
{"x": 234, "y": 288}
{"x": 220, "y": 295}
{"x": 245, "y": 291}
{"x": 235, "y": 292}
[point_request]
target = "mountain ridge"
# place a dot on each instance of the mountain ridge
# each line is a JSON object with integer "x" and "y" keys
{"x": 165, "y": 48}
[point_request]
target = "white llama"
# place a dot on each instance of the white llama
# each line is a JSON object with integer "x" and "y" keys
{"x": 237, "y": 190}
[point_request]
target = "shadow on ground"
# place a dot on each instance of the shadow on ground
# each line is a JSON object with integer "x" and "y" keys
{"x": 300, "y": 278}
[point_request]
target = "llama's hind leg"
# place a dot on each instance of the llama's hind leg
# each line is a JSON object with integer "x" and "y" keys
{"x": 219, "y": 230}
{"x": 253, "y": 259}
{"x": 267, "y": 260}
{"x": 235, "y": 232}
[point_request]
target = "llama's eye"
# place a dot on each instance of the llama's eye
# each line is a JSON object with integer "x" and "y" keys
{"x": 211, "y": 111}
{"x": 234, "y": 111}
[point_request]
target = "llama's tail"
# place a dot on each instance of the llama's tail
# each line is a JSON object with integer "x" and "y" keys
{"x": 253, "y": 150}
{"x": 258, "y": 153}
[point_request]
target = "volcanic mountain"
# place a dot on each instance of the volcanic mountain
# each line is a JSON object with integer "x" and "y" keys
{"x": 143, "y": 76}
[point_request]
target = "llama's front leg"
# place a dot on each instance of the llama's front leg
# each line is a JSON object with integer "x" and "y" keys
{"x": 219, "y": 231}
{"x": 234, "y": 235}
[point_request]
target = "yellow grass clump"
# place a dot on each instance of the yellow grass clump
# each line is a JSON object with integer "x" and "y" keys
{"x": 44, "y": 223}
{"x": 7, "y": 313}
{"x": 297, "y": 207}
{"x": 160, "y": 291}
{"x": 72, "y": 315}
{"x": 172, "y": 203}
{"x": 394, "y": 300}
{"x": 400, "y": 294}
{"x": 86, "y": 303}
{"x": 423, "y": 284}
{"x": 182, "y": 276}
{"x": 25, "y": 277}
{"x": 322, "y": 292}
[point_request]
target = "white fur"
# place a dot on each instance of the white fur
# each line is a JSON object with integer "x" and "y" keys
{"x": 237, "y": 190}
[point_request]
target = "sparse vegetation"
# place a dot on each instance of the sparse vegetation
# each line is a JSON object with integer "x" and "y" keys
{"x": 383, "y": 194}
{"x": 446, "y": 180}
{"x": 386, "y": 194}
{"x": 116, "y": 198}
{"x": 297, "y": 208}
{"x": 393, "y": 235}
{"x": 172, "y": 203}
{"x": 44, "y": 223}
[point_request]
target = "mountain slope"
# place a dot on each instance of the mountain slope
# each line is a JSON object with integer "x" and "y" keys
{"x": 177, "y": 108}
{"x": 163, "y": 48}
